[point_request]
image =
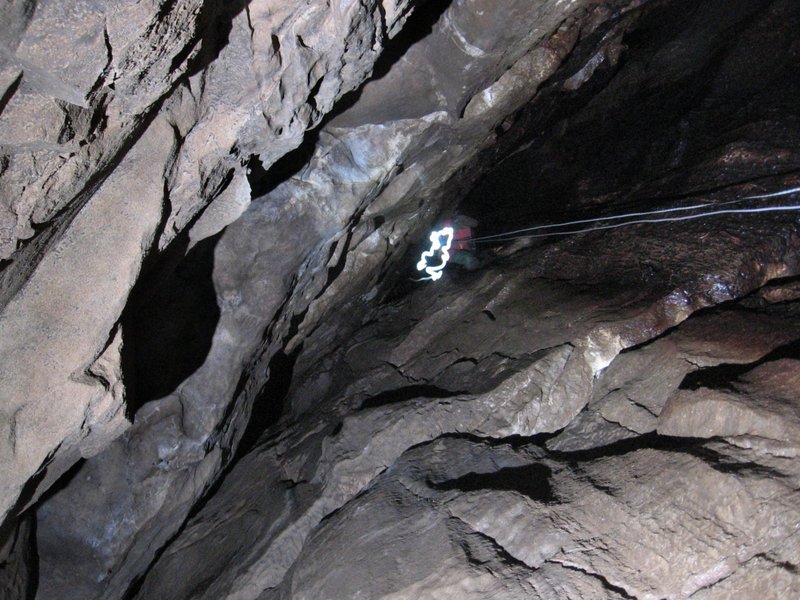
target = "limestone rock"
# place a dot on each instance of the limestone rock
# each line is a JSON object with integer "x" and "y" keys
{"x": 221, "y": 375}
{"x": 769, "y": 410}
{"x": 514, "y": 522}
{"x": 48, "y": 409}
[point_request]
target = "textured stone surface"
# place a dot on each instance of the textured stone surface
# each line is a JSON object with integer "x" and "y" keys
{"x": 762, "y": 403}
{"x": 495, "y": 362}
{"x": 178, "y": 135}
{"x": 297, "y": 227}
{"x": 66, "y": 398}
{"x": 631, "y": 394}
{"x": 220, "y": 379}
{"x": 523, "y": 524}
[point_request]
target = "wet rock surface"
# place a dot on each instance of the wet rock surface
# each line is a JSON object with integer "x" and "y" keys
{"x": 220, "y": 376}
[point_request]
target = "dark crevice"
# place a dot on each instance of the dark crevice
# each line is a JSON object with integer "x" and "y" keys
{"x": 294, "y": 324}
{"x": 98, "y": 119}
{"x": 267, "y": 408}
{"x": 622, "y": 447}
{"x": 28, "y": 492}
{"x": 517, "y": 442}
{"x": 32, "y": 561}
{"x": 418, "y": 26}
{"x": 169, "y": 322}
{"x": 32, "y": 553}
{"x": 381, "y": 34}
{"x": 778, "y": 282}
{"x": 724, "y": 376}
{"x": 268, "y": 405}
{"x": 531, "y": 480}
{"x": 408, "y": 392}
{"x": 724, "y": 464}
{"x": 312, "y": 94}
{"x": 335, "y": 270}
{"x": 10, "y": 91}
{"x": 368, "y": 489}
{"x": 728, "y": 306}
{"x": 262, "y": 181}
{"x": 19, "y": 565}
{"x": 596, "y": 483}
{"x": 135, "y": 586}
{"x": 781, "y": 564}
{"x": 479, "y": 548}
{"x": 257, "y": 177}
{"x": 163, "y": 11}
{"x": 214, "y": 25}
{"x": 697, "y": 447}
{"x": 605, "y": 582}
{"x": 652, "y": 340}
{"x": 62, "y": 482}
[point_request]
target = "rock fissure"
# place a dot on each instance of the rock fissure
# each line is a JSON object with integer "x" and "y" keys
{"x": 621, "y": 590}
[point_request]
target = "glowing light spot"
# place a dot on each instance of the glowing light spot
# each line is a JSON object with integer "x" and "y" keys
{"x": 437, "y": 247}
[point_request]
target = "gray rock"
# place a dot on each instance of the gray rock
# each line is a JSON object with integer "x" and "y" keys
{"x": 221, "y": 378}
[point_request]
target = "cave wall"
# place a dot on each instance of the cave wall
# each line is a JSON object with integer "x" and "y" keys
{"x": 219, "y": 381}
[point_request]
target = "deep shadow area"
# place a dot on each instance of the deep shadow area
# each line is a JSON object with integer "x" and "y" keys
{"x": 268, "y": 404}
{"x": 724, "y": 376}
{"x": 30, "y": 519}
{"x": 408, "y": 392}
{"x": 724, "y": 464}
{"x": 628, "y": 137}
{"x": 19, "y": 567}
{"x": 13, "y": 535}
{"x": 697, "y": 447}
{"x": 530, "y": 480}
{"x": 32, "y": 552}
{"x": 627, "y": 445}
{"x": 169, "y": 323}
{"x": 267, "y": 409}
{"x": 262, "y": 181}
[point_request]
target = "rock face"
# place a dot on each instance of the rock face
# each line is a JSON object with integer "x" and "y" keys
{"x": 220, "y": 376}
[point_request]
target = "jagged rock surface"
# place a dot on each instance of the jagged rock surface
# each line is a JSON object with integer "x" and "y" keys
{"x": 177, "y": 98}
{"x": 487, "y": 357}
{"x": 217, "y": 380}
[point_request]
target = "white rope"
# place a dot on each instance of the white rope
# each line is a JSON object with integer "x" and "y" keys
{"x": 505, "y": 236}
{"x": 729, "y": 211}
{"x": 434, "y": 272}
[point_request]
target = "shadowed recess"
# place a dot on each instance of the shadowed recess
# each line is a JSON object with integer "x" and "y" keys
{"x": 531, "y": 480}
{"x": 408, "y": 392}
{"x": 169, "y": 324}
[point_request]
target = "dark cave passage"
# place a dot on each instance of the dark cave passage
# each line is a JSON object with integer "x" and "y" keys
{"x": 169, "y": 323}
{"x": 630, "y": 139}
